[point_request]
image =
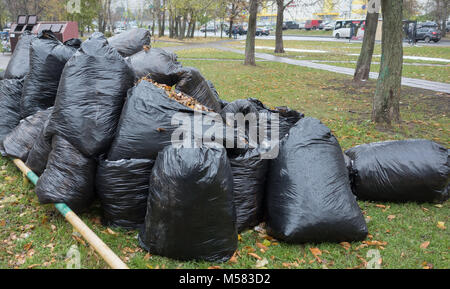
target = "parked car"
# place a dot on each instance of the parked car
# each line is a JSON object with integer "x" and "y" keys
{"x": 429, "y": 24}
{"x": 291, "y": 25}
{"x": 328, "y": 26}
{"x": 262, "y": 32}
{"x": 428, "y": 34}
{"x": 301, "y": 25}
{"x": 241, "y": 30}
{"x": 208, "y": 29}
{"x": 343, "y": 28}
{"x": 312, "y": 24}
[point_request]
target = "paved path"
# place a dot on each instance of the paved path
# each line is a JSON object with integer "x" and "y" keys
{"x": 411, "y": 82}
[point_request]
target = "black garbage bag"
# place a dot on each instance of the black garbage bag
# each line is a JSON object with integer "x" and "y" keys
{"x": 68, "y": 178}
{"x": 2, "y": 75}
{"x": 10, "y": 94}
{"x": 130, "y": 42}
{"x": 123, "y": 190}
{"x": 90, "y": 97}
{"x": 190, "y": 212}
{"x": 400, "y": 171}
{"x": 287, "y": 117}
{"x": 249, "y": 177}
{"x": 19, "y": 142}
{"x": 145, "y": 126}
{"x": 158, "y": 64}
{"x": 74, "y": 42}
{"x": 47, "y": 59}
{"x": 308, "y": 196}
{"x": 19, "y": 64}
{"x": 38, "y": 156}
{"x": 222, "y": 102}
{"x": 192, "y": 82}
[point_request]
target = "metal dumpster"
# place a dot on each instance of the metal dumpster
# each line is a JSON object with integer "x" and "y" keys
{"x": 64, "y": 30}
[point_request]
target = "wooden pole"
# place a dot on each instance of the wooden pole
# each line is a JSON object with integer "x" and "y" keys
{"x": 99, "y": 246}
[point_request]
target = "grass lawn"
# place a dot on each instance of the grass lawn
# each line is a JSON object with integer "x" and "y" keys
{"x": 32, "y": 235}
{"x": 299, "y": 32}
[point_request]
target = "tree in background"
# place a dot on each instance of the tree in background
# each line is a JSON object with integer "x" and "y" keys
{"x": 281, "y": 6}
{"x": 440, "y": 11}
{"x": 365, "y": 57}
{"x": 386, "y": 102}
{"x": 234, "y": 9}
{"x": 251, "y": 32}
{"x": 85, "y": 17}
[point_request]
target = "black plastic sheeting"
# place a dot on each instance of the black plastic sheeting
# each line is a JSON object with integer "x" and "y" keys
{"x": 123, "y": 190}
{"x": 68, "y": 178}
{"x": 20, "y": 141}
{"x": 38, "y": 156}
{"x": 190, "y": 211}
{"x": 309, "y": 198}
{"x": 10, "y": 94}
{"x": 192, "y": 83}
{"x": 130, "y": 42}
{"x": 90, "y": 97}
{"x": 145, "y": 127}
{"x": 74, "y": 42}
{"x": 399, "y": 171}
{"x": 249, "y": 177}
{"x": 2, "y": 75}
{"x": 158, "y": 64}
{"x": 19, "y": 64}
{"x": 47, "y": 59}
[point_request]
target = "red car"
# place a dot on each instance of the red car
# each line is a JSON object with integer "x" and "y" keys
{"x": 312, "y": 24}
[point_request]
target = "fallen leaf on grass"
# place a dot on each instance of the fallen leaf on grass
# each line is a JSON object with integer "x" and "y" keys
{"x": 147, "y": 256}
{"x": 438, "y": 206}
{"x": 381, "y": 206}
{"x": 346, "y": 245}
{"x": 425, "y": 245}
{"x": 391, "y": 217}
{"x": 214, "y": 267}
{"x": 254, "y": 256}
{"x": 315, "y": 251}
{"x": 233, "y": 259}
{"x": 111, "y": 232}
{"x": 426, "y": 265}
{"x": 266, "y": 243}
{"x": 262, "y": 247}
{"x": 441, "y": 225}
{"x": 2, "y": 223}
{"x": 27, "y": 247}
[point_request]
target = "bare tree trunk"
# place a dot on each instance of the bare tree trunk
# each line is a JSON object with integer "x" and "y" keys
{"x": 157, "y": 15}
{"x": 386, "y": 103}
{"x": 365, "y": 58}
{"x": 250, "y": 43}
{"x": 231, "y": 28}
{"x": 279, "y": 47}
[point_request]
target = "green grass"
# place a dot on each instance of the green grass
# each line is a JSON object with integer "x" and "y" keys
{"x": 306, "y": 32}
{"x": 29, "y": 231}
{"x": 208, "y": 53}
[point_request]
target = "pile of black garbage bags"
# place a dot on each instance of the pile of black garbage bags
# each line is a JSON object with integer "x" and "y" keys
{"x": 95, "y": 120}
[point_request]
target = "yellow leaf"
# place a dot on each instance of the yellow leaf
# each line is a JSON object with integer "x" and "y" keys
{"x": 441, "y": 225}
{"x": 266, "y": 243}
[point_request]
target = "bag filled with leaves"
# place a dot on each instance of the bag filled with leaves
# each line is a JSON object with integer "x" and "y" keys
{"x": 149, "y": 120}
{"x": 249, "y": 177}
{"x": 123, "y": 190}
{"x": 157, "y": 64}
{"x": 192, "y": 83}
{"x": 19, "y": 64}
{"x": 90, "y": 97}
{"x": 309, "y": 198}
{"x": 48, "y": 56}
{"x": 400, "y": 171}
{"x": 68, "y": 178}
{"x": 190, "y": 212}
{"x": 20, "y": 141}
{"x": 38, "y": 156}
{"x": 10, "y": 94}
{"x": 130, "y": 42}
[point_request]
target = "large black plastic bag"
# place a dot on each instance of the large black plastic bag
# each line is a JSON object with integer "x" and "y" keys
{"x": 2, "y": 75}
{"x": 287, "y": 117}
{"x": 145, "y": 126}
{"x": 47, "y": 59}
{"x": 190, "y": 212}
{"x": 10, "y": 94}
{"x": 19, "y": 64}
{"x": 123, "y": 190}
{"x": 90, "y": 97}
{"x": 19, "y": 142}
{"x": 192, "y": 83}
{"x": 309, "y": 198}
{"x": 38, "y": 156}
{"x": 400, "y": 171}
{"x": 68, "y": 178}
{"x": 130, "y": 42}
{"x": 158, "y": 64}
{"x": 249, "y": 177}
